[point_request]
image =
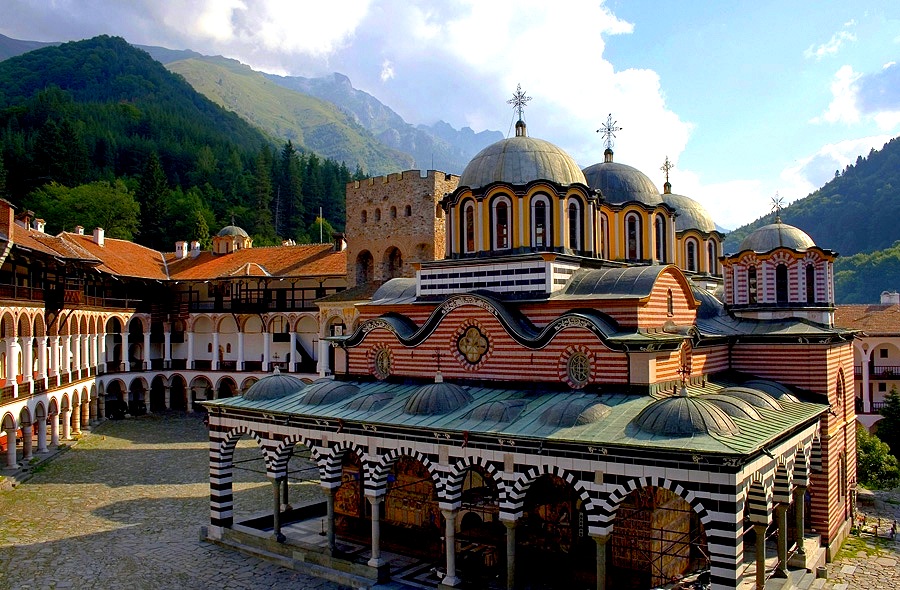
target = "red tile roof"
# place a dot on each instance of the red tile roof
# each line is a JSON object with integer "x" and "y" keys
{"x": 315, "y": 260}
{"x": 120, "y": 257}
{"x": 872, "y": 319}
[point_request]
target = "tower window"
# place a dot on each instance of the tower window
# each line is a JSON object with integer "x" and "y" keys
{"x": 364, "y": 216}
{"x": 540, "y": 224}
{"x": 751, "y": 285}
{"x": 408, "y": 211}
{"x": 633, "y": 229}
{"x": 781, "y": 284}
{"x": 501, "y": 226}
{"x": 470, "y": 227}
{"x": 670, "y": 304}
{"x": 393, "y": 213}
{"x": 711, "y": 257}
{"x": 660, "y": 228}
{"x": 810, "y": 283}
{"x": 377, "y": 214}
{"x": 574, "y": 226}
{"x": 692, "y": 256}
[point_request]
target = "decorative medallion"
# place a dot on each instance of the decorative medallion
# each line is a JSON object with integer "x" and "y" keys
{"x": 382, "y": 362}
{"x": 575, "y": 366}
{"x": 473, "y": 346}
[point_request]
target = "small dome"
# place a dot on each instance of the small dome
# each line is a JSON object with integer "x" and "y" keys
{"x": 232, "y": 230}
{"x": 734, "y": 406}
{"x": 754, "y": 397}
{"x": 274, "y": 386}
{"x": 681, "y": 415}
{"x": 328, "y": 391}
{"x": 777, "y": 235}
{"x": 773, "y": 388}
{"x": 520, "y": 160}
{"x": 370, "y": 403}
{"x": 691, "y": 214}
{"x": 437, "y": 398}
{"x": 620, "y": 183}
{"x": 574, "y": 412}
{"x": 499, "y": 411}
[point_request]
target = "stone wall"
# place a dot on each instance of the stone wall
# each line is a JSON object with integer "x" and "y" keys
{"x": 395, "y": 219}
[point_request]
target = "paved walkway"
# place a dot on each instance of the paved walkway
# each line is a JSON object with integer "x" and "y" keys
{"x": 123, "y": 510}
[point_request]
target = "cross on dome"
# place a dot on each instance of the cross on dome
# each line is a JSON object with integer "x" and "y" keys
{"x": 666, "y": 167}
{"x": 777, "y": 206}
{"x": 608, "y": 131}
{"x": 519, "y": 100}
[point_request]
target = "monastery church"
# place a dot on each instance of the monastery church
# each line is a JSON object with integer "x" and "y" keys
{"x": 531, "y": 375}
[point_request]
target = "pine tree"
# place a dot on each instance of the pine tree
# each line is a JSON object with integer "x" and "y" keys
{"x": 153, "y": 196}
{"x": 289, "y": 205}
{"x": 263, "y": 229}
{"x": 2, "y": 179}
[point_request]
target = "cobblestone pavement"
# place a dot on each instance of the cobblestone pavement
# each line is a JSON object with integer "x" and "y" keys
{"x": 122, "y": 509}
{"x": 867, "y": 562}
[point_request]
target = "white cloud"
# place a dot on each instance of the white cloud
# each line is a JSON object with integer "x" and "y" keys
{"x": 387, "y": 70}
{"x": 833, "y": 45}
{"x": 843, "y": 107}
{"x": 811, "y": 172}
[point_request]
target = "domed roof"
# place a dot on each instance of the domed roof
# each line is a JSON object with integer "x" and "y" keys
{"x": 754, "y": 397}
{"x": 437, "y": 398}
{"x": 574, "y": 412}
{"x": 274, "y": 386}
{"x": 777, "y": 235}
{"x": 681, "y": 415}
{"x": 232, "y": 230}
{"x": 328, "y": 391}
{"x": 734, "y": 406}
{"x": 691, "y": 214}
{"x": 520, "y": 160}
{"x": 371, "y": 402}
{"x": 498, "y": 411}
{"x": 620, "y": 183}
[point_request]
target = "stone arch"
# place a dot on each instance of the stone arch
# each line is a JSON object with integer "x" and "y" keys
{"x": 9, "y": 422}
{"x": 7, "y": 325}
{"x": 25, "y": 417}
{"x": 53, "y": 407}
{"x": 517, "y": 493}
{"x": 458, "y": 471}
{"x": 759, "y": 501}
{"x": 620, "y": 492}
{"x": 365, "y": 267}
{"x": 40, "y": 327}
{"x": 384, "y": 465}
{"x": 40, "y": 412}
{"x": 781, "y": 489}
{"x": 64, "y": 403}
{"x": 226, "y": 385}
{"x": 334, "y": 462}
{"x": 83, "y": 325}
{"x": 226, "y": 324}
{"x": 801, "y": 466}
{"x": 282, "y": 452}
{"x": 158, "y": 393}
{"x": 24, "y": 326}
{"x": 392, "y": 263}
{"x": 247, "y": 383}
{"x": 228, "y": 443}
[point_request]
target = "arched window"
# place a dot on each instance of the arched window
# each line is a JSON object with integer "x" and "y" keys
{"x": 377, "y": 214}
{"x": 711, "y": 258}
{"x": 540, "y": 226}
{"x": 364, "y": 216}
{"x": 228, "y": 347}
{"x": 633, "y": 236}
{"x": 209, "y": 347}
{"x": 501, "y": 224}
{"x": 810, "y": 283}
{"x": 670, "y": 304}
{"x": 781, "y": 283}
{"x": 604, "y": 237}
{"x": 365, "y": 267}
{"x": 469, "y": 227}
{"x": 751, "y": 284}
{"x": 691, "y": 263}
{"x": 393, "y": 213}
{"x": 660, "y": 229}
{"x": 407, "y": 211}
{"x": 574, "y": 225}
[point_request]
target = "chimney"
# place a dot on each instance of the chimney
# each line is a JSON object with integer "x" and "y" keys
{"x": 340, "y": 241}
{"x": 99, "y": 236}
{"x": 181, "y": 249}
{"x": 890, "y": 298}
{"x": 195, "y": 249}
{"x": 79, "y": 230}
{"x": 39, "y": 225}
{"x": 24, "y": 218}
{"x": 7, "y": 218}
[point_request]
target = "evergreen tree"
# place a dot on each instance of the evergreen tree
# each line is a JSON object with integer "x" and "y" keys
{"x": 889, "y": 426}
{"x": 262, "y": 228}
{"x": 2, "y": 178}
{"x": 153, "y": 197}
{"x": 320, "y": 231}
{"x": 289, "y": 197}
{"x": 876, "y": 466}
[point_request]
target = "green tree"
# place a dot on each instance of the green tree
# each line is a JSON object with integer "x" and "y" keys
{"x": 320, "y": 231}
{"x": 153, "y": 197}
{"x": 889, "y": 426}
{"x": 876, "y": 467}
{"x": 2, "y": 178}
{"x": 289, "y": 198}
{"x": 263, "y": 229}
{"x": 109, "y": 205}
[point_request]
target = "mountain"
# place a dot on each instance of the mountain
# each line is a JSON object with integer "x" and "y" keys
{"x": 310, "y": 123}
{"x": 854, "y": 212}
{"x": 13, "y": 47}
{"x": 438, "y": 146}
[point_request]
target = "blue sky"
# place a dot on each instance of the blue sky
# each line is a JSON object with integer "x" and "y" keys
{"x": 746, "y": 98}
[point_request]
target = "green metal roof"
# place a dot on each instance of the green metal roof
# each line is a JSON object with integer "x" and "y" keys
{"x": 615, "y": 429}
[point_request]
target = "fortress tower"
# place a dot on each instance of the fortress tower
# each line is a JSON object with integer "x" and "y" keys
{"x": 393, "y": 222}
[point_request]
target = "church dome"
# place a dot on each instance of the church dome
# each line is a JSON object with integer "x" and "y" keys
{"x": 620, "y": 183}
{"x": 691, "y": 214}
{"x": 777, "y": 235}
{"x": 232, "y": 230}
{"x": 328, "y": 391}
{"x": 520, "y": 160}
{"x": 681, "y": 415}
{"x": 437, "y": 398}
{"x": 274, "y": 386}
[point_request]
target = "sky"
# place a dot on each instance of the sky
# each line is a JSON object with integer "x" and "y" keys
{"x": 748, "y": 100}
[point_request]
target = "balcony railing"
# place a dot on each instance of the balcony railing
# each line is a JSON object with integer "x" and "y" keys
{"x": 878, "y": 371}
{"x": 878, "y": 406}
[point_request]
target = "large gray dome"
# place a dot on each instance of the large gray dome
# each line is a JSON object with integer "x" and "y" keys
{"x": 437, "y": 398}
{"x": 691, "y": 214}
{"x": 232, "y": 230}
{"x": 520, "y": 160}
{"x": 681, "y": 415}
{"x": 274, "y": 386}
{"x": 777, "y": 235}
{"x": 620, "y": 183}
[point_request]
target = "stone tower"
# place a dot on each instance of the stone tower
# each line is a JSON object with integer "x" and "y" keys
{"x": 393, "y": 222}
